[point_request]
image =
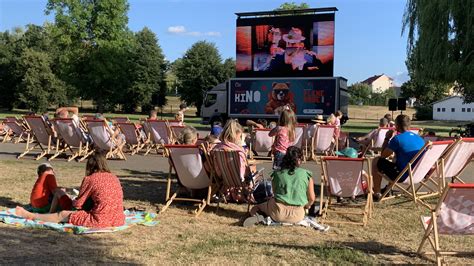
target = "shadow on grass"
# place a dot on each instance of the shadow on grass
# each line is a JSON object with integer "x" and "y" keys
{"x": 8, "y": 202}
{"x": 32, "y": 246}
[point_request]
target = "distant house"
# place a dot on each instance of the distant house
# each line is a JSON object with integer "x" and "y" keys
{"x": 379, "y": 83}
{"x": 453, "y": 108}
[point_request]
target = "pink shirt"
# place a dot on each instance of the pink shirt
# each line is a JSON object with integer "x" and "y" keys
{"x": 282, "y": 141}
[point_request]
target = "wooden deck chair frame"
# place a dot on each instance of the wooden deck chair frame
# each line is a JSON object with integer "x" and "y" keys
{"x": 432, "y": 229}
{"x": 412, "y": 190}
{"x": 78, "y": 147}
{"x": 232, "y": 166}
{"x": 16, "y": 130}
{"x": 315, "y": 142}
{"x": 326, "y": 199}
{"x": 175, "y": 132}
{"x": 120, "y": 119}
{"x": 258, "y": 135}
{"x": 132, "y": 136}
{"x": 452, "y": 156}
{"x": 115, "y": 149}
{"x": 40, "y": 134}
{"x": 151, "y": 126}
{"x": 180, "y": 171}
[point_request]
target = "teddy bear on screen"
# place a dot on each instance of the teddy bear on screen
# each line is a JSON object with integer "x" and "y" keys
{"x": 280, "y": 98}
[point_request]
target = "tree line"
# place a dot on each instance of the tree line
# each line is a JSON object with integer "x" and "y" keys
{"x": 89, "y": 53}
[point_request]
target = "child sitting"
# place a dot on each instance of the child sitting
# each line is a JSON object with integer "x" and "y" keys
{"x": 284, "y": 135}
{"x": 46, "y": 196}
{"x": 188, "y": 136}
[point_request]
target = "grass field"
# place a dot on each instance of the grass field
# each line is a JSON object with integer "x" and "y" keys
{"x": 362, "y": 118}
{"x": 392, "y": 236}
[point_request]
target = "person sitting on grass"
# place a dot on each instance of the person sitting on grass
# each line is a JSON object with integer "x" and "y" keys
{"x": 293, "y": 189}
{"x": 102, "y": 188}
{"x": 46, "y": 196}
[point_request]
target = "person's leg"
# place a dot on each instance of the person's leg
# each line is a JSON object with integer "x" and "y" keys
{"x": 59, "y": 217}
{"x": 376, "y": 175}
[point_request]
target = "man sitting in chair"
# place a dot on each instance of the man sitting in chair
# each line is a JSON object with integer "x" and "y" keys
{"x": 405, "y": 145}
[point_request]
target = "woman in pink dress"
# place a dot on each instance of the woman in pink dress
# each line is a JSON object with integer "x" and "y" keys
{"x": 99, "y": 186}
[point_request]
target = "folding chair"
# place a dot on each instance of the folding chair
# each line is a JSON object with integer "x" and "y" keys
{"x": 132, "y": 136}
{"x": 16, "y": 131}
{"x": 453, "y": 215}
{"x": 120, "y": 119}
{"x": 157, "y": 133}
{"x": 323, "y": 141}
{"x": 186, "y": 161}
{"x": 73, "y": 137}
{"x": 343, "y": 140}
{"x": 104, "y": 139}
{"x": 418, "y": 170}
{"x": 43, "y": 136}
{"x": 377, "y": 142}
{"x": 261, "y": 144}
{"x": 430, "y": 138}
{"x": 453, "y": 163}
{"x": 175, "y": 133}
{"x": 416, "y": 130}
{"x": 174, "y": 123}
{"x": 301, "y": 138}
{"x": 344, "y": 177}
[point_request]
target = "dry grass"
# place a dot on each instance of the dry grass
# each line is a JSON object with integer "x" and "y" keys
{"x": 217, "y": 238}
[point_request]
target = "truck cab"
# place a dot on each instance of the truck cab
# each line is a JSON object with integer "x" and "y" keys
{"x": 214, "y": 106}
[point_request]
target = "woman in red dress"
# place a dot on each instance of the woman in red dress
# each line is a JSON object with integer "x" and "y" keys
{"x": 99, "y": 186}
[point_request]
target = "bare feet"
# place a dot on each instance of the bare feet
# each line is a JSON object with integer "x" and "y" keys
{"x": 21, "y": 212}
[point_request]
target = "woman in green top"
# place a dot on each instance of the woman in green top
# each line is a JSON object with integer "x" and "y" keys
{"x": 293, "y": 190}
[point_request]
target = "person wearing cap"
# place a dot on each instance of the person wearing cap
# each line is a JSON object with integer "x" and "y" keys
{"x": 46, "y": 196}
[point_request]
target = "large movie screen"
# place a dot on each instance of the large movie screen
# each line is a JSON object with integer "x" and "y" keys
{"x": 286, "y": 46}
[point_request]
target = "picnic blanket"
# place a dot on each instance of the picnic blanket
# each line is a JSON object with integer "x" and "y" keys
{"x": 131, "y": 218}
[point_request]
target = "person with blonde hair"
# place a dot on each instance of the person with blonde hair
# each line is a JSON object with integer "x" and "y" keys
{"x": 188, "y": 136}
{"x": 284, "y": 135}
{"x": 100, "y": 187}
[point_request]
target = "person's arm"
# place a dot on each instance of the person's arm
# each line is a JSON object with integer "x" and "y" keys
{"x": 389, "y": 146}
{"x": 274, "y": 131}
{"x": 84, "y": 193}
{"x": 310, "y": 194}
{"x": 253, "y": 123}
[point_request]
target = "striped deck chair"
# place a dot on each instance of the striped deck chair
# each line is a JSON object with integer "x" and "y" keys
{"x": 73, "y": 137}
{"x": 104, "y": 139}
{"x": 453, "y": 163}
{"x": 323, "y": 141}
{"x": 175, "y": 133}
{"x": 132, "y": 136}
{"x": 453, "y": 215}
{"x": 345, "y": 178}
{"x": 158, "y": 134}
{"x": 15, "y": 130}
{"x": 187, "y": 163}
{"x": 418, "y": 170}
{"x": 261, "y": 144}
{"x": 43, "y": 137}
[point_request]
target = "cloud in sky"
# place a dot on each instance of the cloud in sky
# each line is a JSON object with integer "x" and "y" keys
{"x": 181, "y": 30}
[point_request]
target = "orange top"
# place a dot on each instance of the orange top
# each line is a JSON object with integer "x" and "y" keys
{"x": 42, "y": 190}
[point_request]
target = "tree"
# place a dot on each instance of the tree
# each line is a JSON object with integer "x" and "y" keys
{"x": 359, "y": 93}
{"x": 147, "y": 72}
{"x": 425, "y": 93}
{"x": 292, "y": 6}
{"x": 440, "y": 47}
{"x": 228, "y": 68}
{"x": 199, "y": 70}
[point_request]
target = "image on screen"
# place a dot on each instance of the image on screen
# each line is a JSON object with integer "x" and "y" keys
{"x": 288, "y": 46}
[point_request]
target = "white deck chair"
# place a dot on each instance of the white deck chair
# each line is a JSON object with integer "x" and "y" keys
{"x": 344, "y": 177}
{"x": 323, "y": 141}
{"x": 176, "y": 131}
{"x": 43, "y": 136}
{"x": 174, "y": 123}
{"x": 15, "y": 131}
{"x": 456, "y": 160}
{"x": 377, "y": 141}
{"x": 415, "y": 130}
{"x": 301, "y": 139}
{"x": 187, "y": 163}
{"x": 158, "y": 134}
{"x": 453, "y": 215}
{"x": 261, "y": 143}
{"x": 73, "y": 137}
{"x": 132, "y": 136}
{"x": 104, "y": 140}
{"x": 417, "y": 170}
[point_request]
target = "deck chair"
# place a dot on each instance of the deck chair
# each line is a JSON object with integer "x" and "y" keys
{"x": 73, "y": 138}
{"x": 104, "y": 140}
{"x": 453, "y": 163}
{"x": 430, "y": 138}
{"x": 174, "y": 123}
{"x": 415, "y": 130}
{"x": 120, "y": 119}
{"x": 132, "y": 136}
{"x": 301, "y": 138}
{"x": 43, "y": 137}
{"x": 344, "y": 177}
{"x": 377, "y": 142}
{"x": 16, "y": 132}
{"x": 323, "y": 141}
{"x": 175, "y": 133}
{"x": 418, "y": 170}
{"x": 157, "y": 133}
{"x": 453, "y": 215}
{"x": 261, "y": 144}
{"x": 187, "y": 163}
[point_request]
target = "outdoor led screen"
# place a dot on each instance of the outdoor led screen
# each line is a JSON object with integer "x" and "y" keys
{"x": 285, "y": 46}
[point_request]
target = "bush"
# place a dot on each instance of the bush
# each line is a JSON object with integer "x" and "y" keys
{"x": 423, "y": 112}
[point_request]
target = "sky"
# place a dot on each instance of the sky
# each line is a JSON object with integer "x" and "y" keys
{"x": 368, "y": 38}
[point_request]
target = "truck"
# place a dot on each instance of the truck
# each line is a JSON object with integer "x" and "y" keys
{"x": 255, "y": 98}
